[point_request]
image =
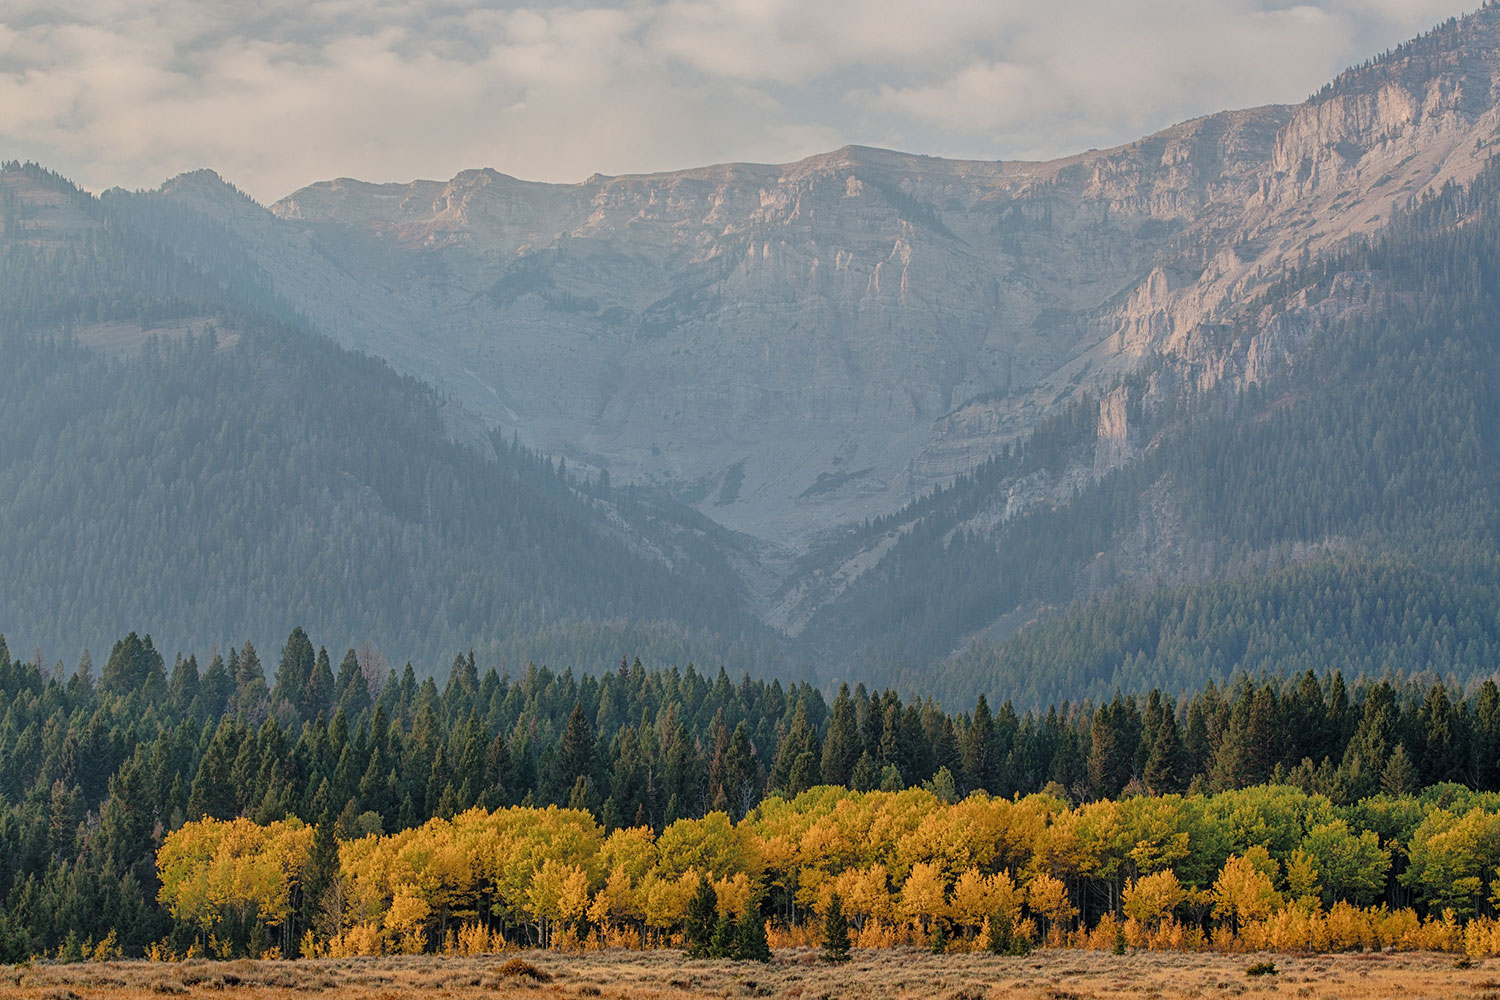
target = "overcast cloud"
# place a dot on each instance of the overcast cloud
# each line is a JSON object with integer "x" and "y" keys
{"x": 278, "y": 94}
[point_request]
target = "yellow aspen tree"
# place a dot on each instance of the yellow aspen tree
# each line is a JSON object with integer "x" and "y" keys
{"x": 924, "y": 896}
{"x": 618, "y": 901}
{"x": 970, "y": 902}
{"x": 1243, "y": 891}
{"x": 866, "y": 894}
{"x": 406, "y": 921}
{"x": 733, "y": 894}
{"x": 1302, "y": 879}
{"x": 1150, "y": 899}
{"x": 1048, "y": 898}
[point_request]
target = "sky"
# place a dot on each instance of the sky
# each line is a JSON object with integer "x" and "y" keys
{"x": 276, "y": 94}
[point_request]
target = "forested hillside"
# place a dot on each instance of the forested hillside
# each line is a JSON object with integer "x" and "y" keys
{"x": 98, "y": 767}
{"x": 233, "y": 471}
{"x": 1341, "y": 512}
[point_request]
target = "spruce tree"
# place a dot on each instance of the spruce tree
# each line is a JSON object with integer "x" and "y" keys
{"x": 940, "y": 939}
{"x": 317, "y": 696}
{"x": 980, "y": 752}
{"x": 866, "y": 776}
{"x": 575, "y": 753}
{"x": 943, "y": 786}
{"x": 741, "y": 774}
{"x": 215, "y": 688}
{"x": 841, "y": 747}
{"x": 726, "y": 932}
{"x": 134, "y": 665}
{"x": 350, "y": 689}
{"x": 292, "y": 675}
{"x": 1441, "y": 759}
{"x": 1399, "y": 776}
{"x": 750, "y": 943}
{"x": 702, "y": 920}
{"x": 1165, "y": 765}
{"x": 835, "y": 931}
{"x": 581, "y": 797}
{"x": 1003, "y": 937}
{"x": 251, "y": 696}
{"x": 318, "y": 878}
{"x": 182, "y": 687}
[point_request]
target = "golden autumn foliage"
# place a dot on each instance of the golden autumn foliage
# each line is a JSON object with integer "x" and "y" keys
{"x": 1048, "y": 899}
{"x": 1267, "y": 867}
{"x": 1244, "y": 890}
{"x": 1152, "y": 898}
{"x": 213, "y": 870}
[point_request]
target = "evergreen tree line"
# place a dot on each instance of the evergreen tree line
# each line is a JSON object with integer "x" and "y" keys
{"x": 96, "y": 770}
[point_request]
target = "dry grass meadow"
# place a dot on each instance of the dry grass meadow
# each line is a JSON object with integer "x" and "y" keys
{"x": 795, "y": 974}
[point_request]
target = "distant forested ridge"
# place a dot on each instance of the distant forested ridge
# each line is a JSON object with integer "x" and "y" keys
{"x": 1340, "y": 512}
{"x": 98, "y": 766}
{"x": 234, "y": 470}
{"x": 176, "y": 448}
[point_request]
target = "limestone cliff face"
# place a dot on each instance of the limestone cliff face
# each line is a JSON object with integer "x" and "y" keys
{"x": 793, "y": 347}
{"x": 1370, "y": 143}
{"x": 819, "y": 328}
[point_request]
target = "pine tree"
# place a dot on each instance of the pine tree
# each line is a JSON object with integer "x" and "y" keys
{"x": 866, "y": 776}
{"x": 1399, "y": 777}
{"x": 292, "y": 675}
{"x": 1164, "y": 769}
{"x": 251, "y": 696}
{"x": 1441, "y": 760}
{"x": 581, "y": 797}
{"x": 835, "y": 931}
{"x": 741, "y": 777}
{"x": 350, "y": 689}
{"x": 318, "y": 878}
{"x": 980, "y": 752}
{"x": 575, "y": 752}
{"x": 726, "y": 932}
{"x": 498, "y": 774}
{"x": 1485, "y": 753}
{"x": 702, "y": 920}
{"x": 1003, "y": 937}
{"x": 797, "y": 741}
{"x": 750, "y": 943}
{"x": 841, "y": 746}
{"x": 316, "y": 697}
{"x": 134, "y": 665}
{"x": 943, "y": 786}
{"x": 940, "y": 939}
{"x": 182, "y": 686}
{"x": 945, "y": 752}
{"x": 215, "y": 688}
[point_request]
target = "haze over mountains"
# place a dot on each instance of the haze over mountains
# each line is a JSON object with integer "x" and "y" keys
{"x": 794, "y": 347}
{"x": 785, "y": 361}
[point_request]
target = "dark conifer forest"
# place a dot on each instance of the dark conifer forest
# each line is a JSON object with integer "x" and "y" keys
{"x": 98, "y": 765}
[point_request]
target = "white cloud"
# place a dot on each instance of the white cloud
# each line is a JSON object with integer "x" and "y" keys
{"x": 281, "y": 93}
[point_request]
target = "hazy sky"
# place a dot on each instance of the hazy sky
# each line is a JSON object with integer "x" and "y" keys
{"x": 276, "y": 94}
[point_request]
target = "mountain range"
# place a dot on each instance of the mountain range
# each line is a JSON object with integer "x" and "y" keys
{"x": 868, "y": 415}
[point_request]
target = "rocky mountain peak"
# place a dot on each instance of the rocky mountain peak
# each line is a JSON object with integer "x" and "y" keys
{"x": 793, "y": 347}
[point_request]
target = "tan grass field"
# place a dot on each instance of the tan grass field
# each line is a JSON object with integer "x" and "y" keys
{"x": 795, "y": 974}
